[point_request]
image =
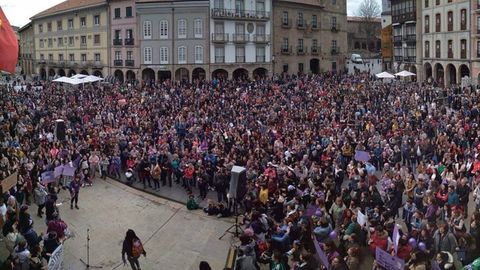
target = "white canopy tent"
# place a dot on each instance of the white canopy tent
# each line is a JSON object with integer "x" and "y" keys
{"x": 405, "y": 73}
{"x": 78, "y": 76}
{"x": 385, "y": 75}
{"x": 78, "y": 79}
{"x": 91, "y": 78}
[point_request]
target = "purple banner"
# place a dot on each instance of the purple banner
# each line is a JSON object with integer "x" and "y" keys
{"x": 321, "y": 254}
{"x": 48, "y": 177}
{"x": 68, "y": 171}
{"x": 57, "y": 172}
{"x": 310, "y": 211}
{"x": 387, "y": 261}
{"x": 76, "y": 162}
{"x": 362, "y": 156}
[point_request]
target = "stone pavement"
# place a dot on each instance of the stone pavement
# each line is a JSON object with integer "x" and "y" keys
{"x": 173, "y": 237}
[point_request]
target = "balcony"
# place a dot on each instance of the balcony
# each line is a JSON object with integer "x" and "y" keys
{"x": 97, "y": 64}
{"x": 260, "y": 58}
{"x": 241, "y": 38}
{"x": 261, "y": 38}
{"x": 84, "y": 63}
{"x": 219, "y": 59}
{"x": 335, "y": 50}
{"x": 60, "y": 63}
{"x": 412, "y": 38}
{"x": 83, "y": 45}
{"x": 301, "y": 50}
{"x": 397, "y": 38}
{"x": 240, "y": 59}
{"x": 286, "y": 50}
{"x": 219, "y": 37}
{"x": 334, "y": 28}
{"x": 41, "y": 62}
{"x": 286, "y": 23}
{"x": 240, "y": 14}
{"x": 398, "y": 58}
{"x": 117, "y": 42}
{"x": 301, "y": 24}
{"x": 410, "y": 59}
{"x": 314, "y": 27}
{"x": 129, "y": 63}
{"x": 118, "y": 63}
{"x": 129, "y": 41}
{"x": 72, "y": 63}
{"x": 315, "y": 50}
{"x": 450, "y": 54}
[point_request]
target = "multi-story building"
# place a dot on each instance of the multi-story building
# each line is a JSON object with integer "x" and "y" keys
{"x": 240, "y": 38}
{"x": 360, "y": 41}
{"x": 386, "y": 35}
{"x": 124, "y": 42}
{"x": 71, "y": 38}
{"x": 446, "y": 38}
{"x": 173, "y": 39}
{"x": 27, "y": 49}
{"x": 404, "y": 34}
{"x": 475, "y": 41}
{"x": 310, "y": 36}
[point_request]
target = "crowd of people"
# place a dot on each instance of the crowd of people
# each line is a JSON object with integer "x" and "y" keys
{"x": 297, "y": 136}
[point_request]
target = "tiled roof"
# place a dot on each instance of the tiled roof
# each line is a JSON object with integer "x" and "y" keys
{"x": 68, "y": 5}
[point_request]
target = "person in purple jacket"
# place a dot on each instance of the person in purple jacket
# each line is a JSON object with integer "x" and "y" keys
{"x": 74, "y": 191}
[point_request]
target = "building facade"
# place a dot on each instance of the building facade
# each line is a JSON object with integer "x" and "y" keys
{"x": 173, "y": 40}
{"x": 359, "y": 40}
{"x": 446, "y": 39}
{"x": 475, "y": 41}
{"x": 309, "y": 36}
{"x": 27, "y": 49}
{"x": 404, "y": 16}
{"x": 72, "y": 38}
{"x": 386, "y": 35}
{"x": 240, "y": 38}
{"x": 124, "y": 42}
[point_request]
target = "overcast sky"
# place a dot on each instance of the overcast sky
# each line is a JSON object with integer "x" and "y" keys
{"x": 18, "y": 12}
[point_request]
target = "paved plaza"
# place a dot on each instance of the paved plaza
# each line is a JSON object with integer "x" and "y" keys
{"x": 174, "y": 238}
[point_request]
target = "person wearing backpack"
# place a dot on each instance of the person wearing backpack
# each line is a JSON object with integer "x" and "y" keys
{"x": 132, "y": 246}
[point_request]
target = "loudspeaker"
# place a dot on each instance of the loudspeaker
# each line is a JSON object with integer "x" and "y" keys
{"x": 238, "y": 182}
{"x": 60, "y": 130}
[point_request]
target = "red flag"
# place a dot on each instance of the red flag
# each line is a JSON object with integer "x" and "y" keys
{"x": 8, "y": 45}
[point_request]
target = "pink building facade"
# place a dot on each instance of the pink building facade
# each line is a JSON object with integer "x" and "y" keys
{"x": 124, "y": 42}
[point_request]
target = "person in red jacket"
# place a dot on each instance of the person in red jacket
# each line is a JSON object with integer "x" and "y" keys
{"x": 379, "y": 238}
{"x": 404, "y": 249}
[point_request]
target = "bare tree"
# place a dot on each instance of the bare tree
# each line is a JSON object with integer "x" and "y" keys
{"x": 369, "y": 10}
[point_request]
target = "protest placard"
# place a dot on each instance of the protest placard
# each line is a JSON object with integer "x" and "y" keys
{"x": 68, "y": 170}
{"x": 9, "y": 182}
{"x": 48, "y": 177}
{"x": 387, "y": 261}
{"x": 57, "y": 172}
{"x": 321, "y": 254}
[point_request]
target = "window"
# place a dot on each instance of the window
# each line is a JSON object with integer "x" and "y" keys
{"x": 450, "y": 21}
{"x": 163, "y": 55}
{"x": 71, "y": 41}
{"x": 334, "y": 2}
{"x": 437, "y": 23}
{"x": 261, "y": 54}
{"x": 59, "y": 25}
{"x": 300, "y": 45}
{"x": 182, "y": 28}
{"x": 427, "y": 49}
{"x": 164, "y": 29}
{"x": 300, "y": 67}
{"x": 427, "y": 24}
{"x": 42, "y": 57}
{"x": 128, "y": 12}
{"x": 118, "y": 34}
{"x": 218, "y": 4}
{"x": 129, "y": 34}
{"x": 129, "y": 55}
{"x": 463, "y": 48}
{"x": 147, "y": 30}
{"x": 116, "y": 13}
{"x": 437, "y": 49}
{"x": 83, "y": 22}
{"x": 285, "y": 44}
{"x": 478, "y": 25}
{"x": 60, "y": 42}
{"x": 198, "y": 28}
{"x": 334, "y": 22}
{"x": 96, "y": 20}
{"x": 41, "y": 43}
{"x": 198, "y": 54}
{"x": 437, "y": 2}
{"x": 463, "y": 19}
{"x": 182, "y": 55}
{"x": 239, "y": 7}
{"x": 426, "y": 3}
{"x": 240, "y": 54}
{"x": 50, "y": 57}
{"x": 118, "y": 55}
{"x": 60, "y": 57}
{"x": 49, "y": 27}
{"x": 285, "y": 18}
{"x": 71, "y": 57}
{"x": 147, "y": 55}
{"x": 50, "y": 42}
{"x": 219, "y": 54}
{"x": 334, "y": 44}
{"x": 314, "y": 21}
{"x": 478, "y": 48}
{"x": 83, "y": 57}
{"x": 83, "y": 40}
{"x": 40, "y": 28}
{"x": 300, "y": 21}
{"x": 96, "y": 39}
{"x": 70, "y": 24}
{"x": 450, "y": 49}
{"x": 97, "y": 57}
{"x": 260, "y": 8}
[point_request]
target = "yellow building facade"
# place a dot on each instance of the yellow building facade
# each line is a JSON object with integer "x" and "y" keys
{"x": 72, "y": 39}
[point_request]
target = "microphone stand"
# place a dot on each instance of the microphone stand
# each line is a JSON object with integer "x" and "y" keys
{"x": 87, "y": 264}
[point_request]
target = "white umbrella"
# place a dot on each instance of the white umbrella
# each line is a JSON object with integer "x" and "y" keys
{"x": 62, "y": 79}
{"x": 384, "y": 75}
{"x": 92, "y": 78}
{"x": 405, "y": 73}
{"x": 78, "y": 76}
